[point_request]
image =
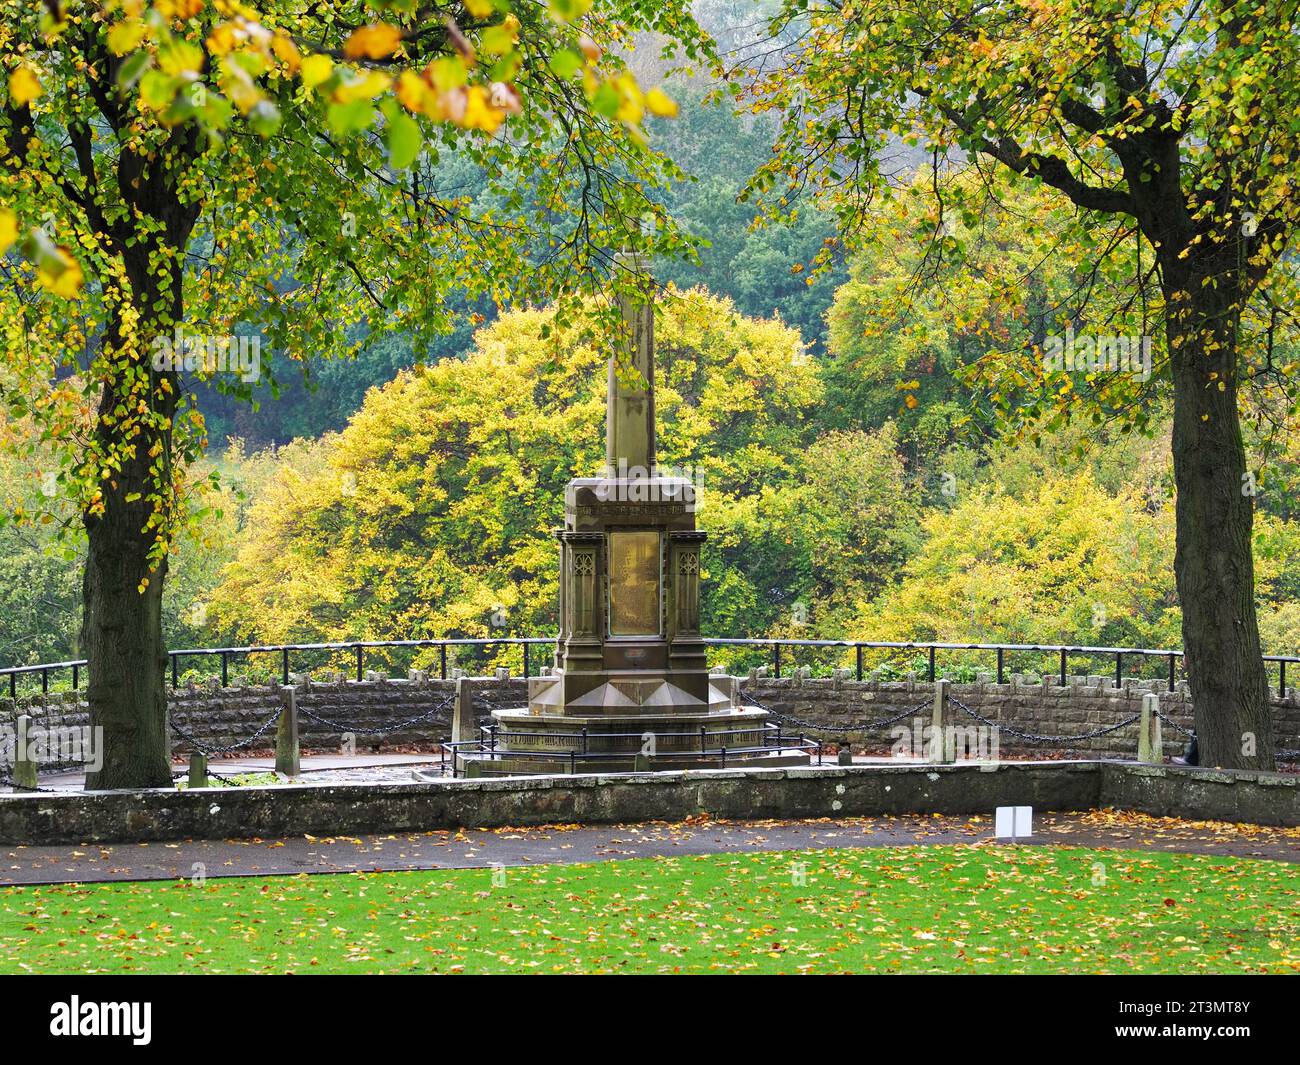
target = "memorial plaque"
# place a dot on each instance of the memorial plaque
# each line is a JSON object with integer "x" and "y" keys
{"x": 634, "y": 583}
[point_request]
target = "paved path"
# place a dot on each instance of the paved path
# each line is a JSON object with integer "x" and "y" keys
{"x": 316, "y": 769}
{"x": 481, "y": 848}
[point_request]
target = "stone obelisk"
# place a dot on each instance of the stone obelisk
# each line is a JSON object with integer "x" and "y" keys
{"x": 630, "y": 396}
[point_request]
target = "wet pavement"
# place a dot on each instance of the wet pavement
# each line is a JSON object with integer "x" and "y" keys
{"x": 485, "y": 848}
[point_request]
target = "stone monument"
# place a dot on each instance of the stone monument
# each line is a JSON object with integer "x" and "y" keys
{"x": 630, "y": 688}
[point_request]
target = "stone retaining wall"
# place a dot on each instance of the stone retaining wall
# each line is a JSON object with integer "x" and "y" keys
{"x": 813, "y": 792}
{"x": 1039, "y": 707}
{"x": 422, "y": 706}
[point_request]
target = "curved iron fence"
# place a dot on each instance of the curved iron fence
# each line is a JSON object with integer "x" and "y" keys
{"x": 774, "y": 646}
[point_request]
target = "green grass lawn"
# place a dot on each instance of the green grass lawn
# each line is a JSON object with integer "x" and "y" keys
{"x": 911, "y": 909}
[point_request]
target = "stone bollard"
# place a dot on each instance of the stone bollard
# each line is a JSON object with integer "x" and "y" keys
{"x": 462, "y": 717}
{"x": 1150, "y": 743}
{"x": 24, "y": 767}
{"x": 503, "y": 673}
{"x": 942, "y": 744}
{"x": 198, "y": 770}
{"x": 844, "y": 756}
{"x": 287, "y": 754}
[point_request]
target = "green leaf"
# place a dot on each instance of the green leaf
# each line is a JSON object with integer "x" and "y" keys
{"x": 351, "y": 117}
{"x": 131, "y": 70}
{"x": 565, "y": 63}
{"x": 157, "y": 89}
{"x": 264, "y": 118}
{"x": 404, "y": 140}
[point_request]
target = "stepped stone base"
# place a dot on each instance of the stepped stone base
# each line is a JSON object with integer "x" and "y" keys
{"x": 623, "y": 723}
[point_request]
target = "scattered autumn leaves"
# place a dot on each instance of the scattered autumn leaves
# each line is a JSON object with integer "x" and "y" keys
{"x": 906, "y": 909}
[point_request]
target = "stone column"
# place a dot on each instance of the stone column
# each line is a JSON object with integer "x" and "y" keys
{"x": 1150, "y": 741}
{"x": 463, "y": 729}
{"x": 942, "y": 746}
{"x": 686, "y": 583}
{"x": 686, "y": 648}
{"x": 198, "y": 770}
{"x": 287, "y": 752}
{"x": 563, "y": 613}
{"x": 630, "y": 400}
{"x": 584, "y": 604}
{"x": 25, "y": 768}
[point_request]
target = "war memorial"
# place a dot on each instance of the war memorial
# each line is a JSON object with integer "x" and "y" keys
{"x": 630, "y": 687}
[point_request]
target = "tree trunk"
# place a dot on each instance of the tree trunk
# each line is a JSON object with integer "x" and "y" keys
{"x": 1213, "y": 561}
{"x": 121, "y": 628}
{"x": 122, "y": 636}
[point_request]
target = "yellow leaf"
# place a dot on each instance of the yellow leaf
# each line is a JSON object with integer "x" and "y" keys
{"x": 414, "y": 93}
{"x": 223, "y": 38}
{"x": 24, "y": 86}
{"x": 658, "y": 102}
{"x": 366, "y": 88}
{"x": 180, "y": 57}
{"x": 8, "y": 229}
{"x": 62, "y": 275}
{"x": 479, "y": 8}
{"x": 479, "y": 114}
{"x": 286, "y": 51}
{"x": 373, "y": 42}
{"x": 315, "y": 69}
{"x": 124, "y": 37}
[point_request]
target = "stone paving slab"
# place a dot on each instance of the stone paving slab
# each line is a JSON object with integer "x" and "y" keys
{"x": 485, "y": 848}
{"x": 379, "y": 767}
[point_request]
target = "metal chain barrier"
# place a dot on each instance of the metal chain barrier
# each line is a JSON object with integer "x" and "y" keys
{"x": 1172, "y": 723}
{"x": 232, "y": 747}
{"x": 864, "y": 726}
{"x": 1032, "y": 737}
{"x": 380, "y": 730}
{"x": 8, "y": 782}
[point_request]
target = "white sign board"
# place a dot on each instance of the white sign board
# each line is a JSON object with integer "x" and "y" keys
{"x": 1013, "y": 822}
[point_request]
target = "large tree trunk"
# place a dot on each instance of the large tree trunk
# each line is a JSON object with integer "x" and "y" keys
{"x": 122, "y": 589}
{"x": 121, "y": 632}
{"x": 1215, "y": 510}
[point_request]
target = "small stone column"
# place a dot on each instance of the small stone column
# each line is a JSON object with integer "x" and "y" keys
{"x": 463, "y": 729}
{"x": 584, "y": 615}
{"x": 24, "y": 767}
{"x": 941, "y": 744}
{"x": 1150, "y": 742}
{"x": 287, "y": 753}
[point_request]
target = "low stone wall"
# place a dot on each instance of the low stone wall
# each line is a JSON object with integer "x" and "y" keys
{"x": 1202, "y": 794}
{"x": 813, "y": 792}
{"x": 377, "y": 712}
{"x": 1038, "y": 707}
{"x": 383, "y": 711}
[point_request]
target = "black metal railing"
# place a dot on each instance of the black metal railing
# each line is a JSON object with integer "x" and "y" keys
{"x": 357, "y": 650}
